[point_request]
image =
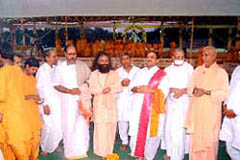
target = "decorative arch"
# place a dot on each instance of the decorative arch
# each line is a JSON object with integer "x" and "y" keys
{"x": 135, "y": 27}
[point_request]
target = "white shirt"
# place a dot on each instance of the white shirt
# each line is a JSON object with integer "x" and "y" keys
{"x": 231, "y": 126}
{"x": 124, "y": 100}
{"x": 66, "y": 76}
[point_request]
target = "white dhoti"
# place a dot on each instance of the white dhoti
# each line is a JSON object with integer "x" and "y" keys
{"x": 151, "y": 147}
{"x": 175, "y": 140}
{"x": 75, "y": 127}
{"x": 151, "y": 143}
{"x": 123, "y": 131}
{"x": 76, "y": 143}
{"x": 124, "y": 103}
{"x": 51, "y": 133}
{"x": 230, "y": 130}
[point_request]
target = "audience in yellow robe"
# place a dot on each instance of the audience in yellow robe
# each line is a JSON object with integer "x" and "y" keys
{"x": 31, "y": 102}
{"x": 15, "y": 130}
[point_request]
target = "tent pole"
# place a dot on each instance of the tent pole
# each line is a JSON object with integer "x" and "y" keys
{"x": 210, "y": 37}
{"x": 180, "y": 38}
{"x": 191, "y": 42}
{"x": 230, "y": 38}
{"x": 238, "y": 34}
{"x": 162, "y": 37}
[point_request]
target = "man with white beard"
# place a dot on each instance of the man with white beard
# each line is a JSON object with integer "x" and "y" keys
{"x": 231, "y": 123}
{"x": 68, "y": 77}
{"x": 175, "y": 138}
{"x": 51, "y": 133}
{"x": 124, "y": 100}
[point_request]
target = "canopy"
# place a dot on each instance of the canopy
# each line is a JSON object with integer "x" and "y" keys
{"x": 50, "y": 8}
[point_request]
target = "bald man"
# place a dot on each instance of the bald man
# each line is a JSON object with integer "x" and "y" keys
{"x": 208, "y": 88}
{"x": 175, "y": 138}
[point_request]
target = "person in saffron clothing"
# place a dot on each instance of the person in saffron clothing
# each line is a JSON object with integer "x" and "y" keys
{"x": 150, "y": 88}
{"x": 104, "y": 84}
{"x": 31, "y": 102}
{"x": 13, "y": 117}
{"x": 209, "y": 88}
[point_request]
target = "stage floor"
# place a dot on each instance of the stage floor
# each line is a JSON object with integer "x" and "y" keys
{"x": 222, "y": 155}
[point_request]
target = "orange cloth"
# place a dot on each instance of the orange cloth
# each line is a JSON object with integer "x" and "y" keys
{"x": 29, "y": 86}
{"x": 204, "y": 114}
{"x": 21, "y": 150}
{"x": 12, "y": 98}
{"x": 35, "y": 121}
{"x": 34, "y": 145}
{"x": 14, "y": 128}
{"x": 157, "y": 108}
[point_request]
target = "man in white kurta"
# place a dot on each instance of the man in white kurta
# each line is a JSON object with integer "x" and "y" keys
{"x": 75, "y": 127}
{"x": 124, "y": 99}
{"x": 51, "y": 133}
{"x": 175, "y": 138}
{"x": 142, "y": 79}
{"x": 230, "y": 131}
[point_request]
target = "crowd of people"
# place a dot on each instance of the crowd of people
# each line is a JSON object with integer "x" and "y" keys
{"x": 178, "y": 109}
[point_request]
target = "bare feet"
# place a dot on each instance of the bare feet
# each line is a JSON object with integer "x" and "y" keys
{"x": 166, "y": 157}
{"x": 44, "y": 153}
{"x": 123, "y": 147}
{"x": 104, "y": 158}
{"x": 59, "y": 149}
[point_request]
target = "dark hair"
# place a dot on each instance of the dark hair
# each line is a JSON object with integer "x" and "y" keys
{"x": 6, "y": 51}
{"x": 18, "y": 55}
{"x": 67, "y": 46}
{"x": 125, "y": 54}
{"x": 32, "y": 62}
{"x": 47, "y": 53}
{"x": 95, "y": 64}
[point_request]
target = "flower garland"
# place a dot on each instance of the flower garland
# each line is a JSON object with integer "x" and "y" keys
{"x": 113, "y": 156}
{"x": 158, "y": 107}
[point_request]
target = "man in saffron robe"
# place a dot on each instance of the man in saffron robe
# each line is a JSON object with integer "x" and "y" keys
{"x": 104, "y": 84}
{"x": 209, "y": 88}
{"x": 15, "y": 123}
{"x": 31, "y": 102}
{"x": 150, "y": 87}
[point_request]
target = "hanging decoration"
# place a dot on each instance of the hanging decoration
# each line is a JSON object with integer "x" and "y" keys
{"x": 134, "y": 37}
{"x": 114, "y": 31}
{"x": 58, "y": 43}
